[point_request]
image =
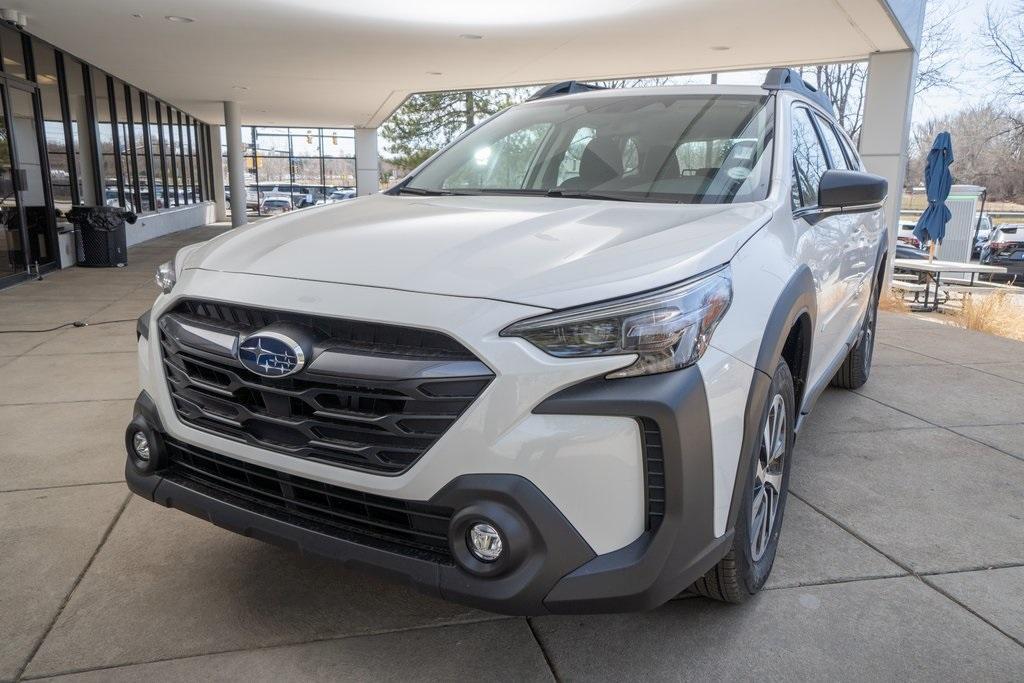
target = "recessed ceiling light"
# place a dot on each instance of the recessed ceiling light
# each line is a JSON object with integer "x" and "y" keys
{"x": 434, "y": 73}
{"x": 239, "y": 87}
{"x": 470, "y": 36}
{"x": 180, "y": 20}
{"x": 137, "y": 15}
{"x": 720, "y": 48}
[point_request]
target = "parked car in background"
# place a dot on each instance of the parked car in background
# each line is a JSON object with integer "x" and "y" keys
{"x": 300, "y": 195}
{"x": 559, "y": 368}
{"x": 909, "y": 252}
{"x": 276, "y": 204}
{"x": 984, "y": 229}
{"x": 905, "y": 234}
{"x": 341, "y": 193}
{"x": 1005, "y": 248}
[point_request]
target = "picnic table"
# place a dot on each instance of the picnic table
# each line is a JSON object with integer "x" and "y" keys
{"x": 934, "y": 270}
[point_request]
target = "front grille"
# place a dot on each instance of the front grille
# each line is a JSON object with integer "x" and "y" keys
{"x": 410, "y": 528}
{"x": 349, "y": 334}
{"x": 654, "y": 472}
{"x": 374, "y": 424}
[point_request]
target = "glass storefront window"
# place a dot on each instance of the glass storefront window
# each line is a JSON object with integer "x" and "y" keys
{"x": 137, "y": 149}
{"x": 109, "y": 156}
{"x": 272, "y": 145}
{"x": 339, "y": 142}
{"x": 306, "y": 143}
{"x": 80, "y": 136}
{"x": 79, "y": 126}
{"x": 13, "y": 52}
{"x": 339, "y": 173}
{"x": 53, "y": 127}
{"x": 307, "y": 171}
{"x": 124, "y": 151}
{"x": 172, "y": 149}
{"x": 304, "y": 162}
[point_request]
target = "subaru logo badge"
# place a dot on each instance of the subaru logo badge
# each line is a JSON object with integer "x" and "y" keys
{"x": 271, "y": 354}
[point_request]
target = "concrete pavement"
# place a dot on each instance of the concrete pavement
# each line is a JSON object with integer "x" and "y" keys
{"x": 902, "y": 555}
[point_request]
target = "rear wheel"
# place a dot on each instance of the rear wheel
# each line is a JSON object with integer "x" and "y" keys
{"x": 854, "y": 371}
{"x": 743, "y": 571}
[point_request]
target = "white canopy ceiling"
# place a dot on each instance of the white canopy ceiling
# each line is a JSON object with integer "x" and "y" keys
{"x": 352, "y": 62}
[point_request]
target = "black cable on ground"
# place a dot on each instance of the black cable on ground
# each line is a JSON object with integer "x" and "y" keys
{"x": 76, "y": 323}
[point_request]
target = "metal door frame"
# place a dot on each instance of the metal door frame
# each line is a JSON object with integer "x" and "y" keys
{"x": 8, "y": 81}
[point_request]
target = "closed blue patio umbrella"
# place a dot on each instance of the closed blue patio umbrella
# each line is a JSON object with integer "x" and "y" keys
{"x": 931, "y": 226}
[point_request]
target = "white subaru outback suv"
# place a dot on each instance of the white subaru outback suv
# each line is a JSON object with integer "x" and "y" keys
{"x": 560, "y": 368}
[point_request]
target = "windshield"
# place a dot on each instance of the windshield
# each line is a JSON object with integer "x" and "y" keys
{"x": 701, "y": 149}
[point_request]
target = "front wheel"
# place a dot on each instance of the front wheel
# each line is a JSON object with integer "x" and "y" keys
{"x": 743, "y": 571}
{"x": 856, "y": 367}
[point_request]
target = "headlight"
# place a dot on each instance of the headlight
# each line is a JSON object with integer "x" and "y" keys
{"x": 668, "y": 328}
{"x": 166, "y": 277}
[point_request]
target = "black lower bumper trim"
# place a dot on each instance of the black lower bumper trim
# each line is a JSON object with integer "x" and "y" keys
{"x": 550, "y": 568}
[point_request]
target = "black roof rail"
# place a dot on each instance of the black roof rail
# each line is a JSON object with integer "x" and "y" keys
{"x": 563, "y": 88}
{"x": 790, "y": 79}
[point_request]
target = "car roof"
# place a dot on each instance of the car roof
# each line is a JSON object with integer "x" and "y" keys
{"x": 662, "y": 90}
{"x": 601, "y": 93}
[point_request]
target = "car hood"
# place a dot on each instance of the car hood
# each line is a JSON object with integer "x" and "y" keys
{"x": 540, "y": 251}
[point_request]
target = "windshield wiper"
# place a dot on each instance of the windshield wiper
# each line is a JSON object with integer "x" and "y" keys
{"x": 584, "y": 194}
{"x": 421, "y": 191}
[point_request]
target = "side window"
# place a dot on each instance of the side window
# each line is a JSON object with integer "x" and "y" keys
{"x": 835, "y": 148}
{"x": 808, "y": 157}
{"x": 570, "y": 166}
{"x": 851, "y": 154}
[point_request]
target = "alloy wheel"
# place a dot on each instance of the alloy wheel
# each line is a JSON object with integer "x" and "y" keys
{"x": 768, "y": 478}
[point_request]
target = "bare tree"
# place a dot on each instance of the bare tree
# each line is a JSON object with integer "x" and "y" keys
{"x": 844, "y": 85}
{"x": 649, "y": 82}
{"x": 986, "y": 148}
{"x": 938, "y": 67}
{"x": 940, "y": 59}
{"x": 1003, "y": 33}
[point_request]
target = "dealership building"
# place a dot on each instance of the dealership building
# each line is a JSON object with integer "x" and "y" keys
{"x": 173, "y": 116}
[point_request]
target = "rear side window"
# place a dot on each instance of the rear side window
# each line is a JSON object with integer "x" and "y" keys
{"x": 835, "y": 148}
{"x": 809, "y": 162}
{"x": 851, "y": 154}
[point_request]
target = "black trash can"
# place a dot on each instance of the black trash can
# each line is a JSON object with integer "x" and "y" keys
{"x": 101, "y": 234}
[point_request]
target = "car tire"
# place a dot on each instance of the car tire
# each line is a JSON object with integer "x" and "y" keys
{"x": 856, "y": 367}
{"x": 744, "y": 570}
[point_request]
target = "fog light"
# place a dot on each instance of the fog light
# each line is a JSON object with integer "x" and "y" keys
{"x": 484, "y": 542}
{"x": 141, "y": 446}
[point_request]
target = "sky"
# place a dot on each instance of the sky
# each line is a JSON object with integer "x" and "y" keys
{"x": 973, "y": 82}
{"x": 975, "y": 85}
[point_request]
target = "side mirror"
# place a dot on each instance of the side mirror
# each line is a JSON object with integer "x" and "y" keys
{"x": 851, "y": 191}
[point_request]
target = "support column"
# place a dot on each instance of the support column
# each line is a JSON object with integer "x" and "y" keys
{"x": 217, "y": 175}
{"x": 885, "y": 132}
{"x": 236, "y": 162}
{"x": 367, "y": 161}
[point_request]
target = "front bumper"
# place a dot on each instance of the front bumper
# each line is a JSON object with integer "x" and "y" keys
{"x": 552, "y": 568}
